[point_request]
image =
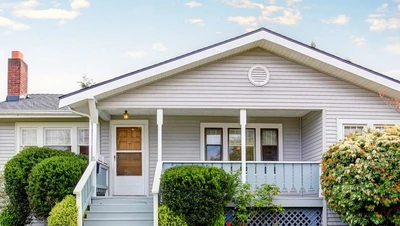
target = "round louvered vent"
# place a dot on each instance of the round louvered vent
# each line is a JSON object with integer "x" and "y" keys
{"x": 258, "y": 75}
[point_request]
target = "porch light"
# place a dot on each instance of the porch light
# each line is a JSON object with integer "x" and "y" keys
{"x": 126, "y": 115}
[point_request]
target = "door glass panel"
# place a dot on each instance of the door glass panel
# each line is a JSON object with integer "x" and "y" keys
{"x": 129, "y": 139}
{"x": 129, "y": 164}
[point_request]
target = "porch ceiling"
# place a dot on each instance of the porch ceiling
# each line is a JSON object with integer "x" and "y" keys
{"x": 214, "y": 112}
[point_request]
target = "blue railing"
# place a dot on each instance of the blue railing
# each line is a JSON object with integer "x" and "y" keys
{"x": 299, "y": 179}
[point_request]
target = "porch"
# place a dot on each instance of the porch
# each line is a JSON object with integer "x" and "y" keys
{"x": 171, "y": 137}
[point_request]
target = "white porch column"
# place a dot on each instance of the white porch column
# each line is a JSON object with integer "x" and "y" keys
{"x": 93, "y": 138}
{"x": 160, "y": 119}
{"x": 243, "y": 121}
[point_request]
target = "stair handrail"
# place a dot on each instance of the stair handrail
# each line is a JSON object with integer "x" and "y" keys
{"x": 84, "y": 190}
{"x": 156, "y": 191}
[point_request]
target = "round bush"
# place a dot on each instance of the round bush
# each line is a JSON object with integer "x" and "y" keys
{"x": 16, "y": 173}
{"x": 168, "y": 218}
{"x": 361, "y": 177}
{"x": 64, "y": 213}
{"x": 199, "y": 193}
{"x": 10, "y": 216}
{"x": 51, "y": 180}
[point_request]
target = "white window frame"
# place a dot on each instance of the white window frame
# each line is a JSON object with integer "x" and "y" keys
{"x": 226, "y": 126}
{"x": 41, "y": 126}
{"x": 341, "y": 123}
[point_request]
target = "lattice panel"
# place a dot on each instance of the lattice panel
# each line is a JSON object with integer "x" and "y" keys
{"x": 291, "y": 217}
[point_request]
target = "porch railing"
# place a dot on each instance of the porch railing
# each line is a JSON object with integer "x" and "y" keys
{"x": 96, "y": 173}
{"x": 295, "y": 179}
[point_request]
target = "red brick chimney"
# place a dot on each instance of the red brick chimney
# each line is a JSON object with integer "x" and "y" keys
{"x": 17, "y": 77}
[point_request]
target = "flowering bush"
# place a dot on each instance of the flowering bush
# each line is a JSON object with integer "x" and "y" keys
{"x": 361, "y": 177}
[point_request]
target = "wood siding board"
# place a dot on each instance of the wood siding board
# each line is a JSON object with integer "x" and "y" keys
{"x": 311, "y": 131}
{"x": 7, "y": 142}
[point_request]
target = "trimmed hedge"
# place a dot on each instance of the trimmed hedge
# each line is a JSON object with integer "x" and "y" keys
{"x": 199, "y": 193}
{"x": 16, "y": 173}
{"x": 51, "y": 180}
{"x": 64, "y": 213}
{"x": 168, "y": 218}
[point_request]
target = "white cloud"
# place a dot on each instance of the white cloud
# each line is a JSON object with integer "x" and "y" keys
{"x": 244, "y": 20}
{"x": 79, "y": 4}
{"x": 398, "y": 7}
{"x": 5, "y": 22}
{"x": 28, "y": 4}
{"x": 291, "y": 2}
{"x": 1, "y": 10}
{"x": 272, "y": 2}
{"x": 250, "y": 29}
{"x": 200, "y": 22}
{"x": 244, "y": 4}
{"x": 338, "y": 20}
{"x": 271, "y": 13}
{"x": 46, "y": 14}
{"x": 382, "y": 24}
{"x": 382, "y": 8}
{"x": 393, "y": 39}
{"x": 360, "y": 41}
{"x": 136, "y": 54}
{"x": 159, "y": 47}
{"x": 289, "y": 17}
{"x": 28, "y": 9}
{"x": 193, "y": 4}
{"x": 393, "y": 48}
{"x": 218, "y": 32}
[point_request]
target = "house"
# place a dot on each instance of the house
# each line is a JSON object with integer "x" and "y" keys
{"x": 282, "y": 101}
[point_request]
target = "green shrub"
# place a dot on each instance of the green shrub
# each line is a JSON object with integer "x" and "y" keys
{"x": 361, "y": 177}
{"x": 51, "y": 180}
{"x": 16, "y": 173}
{"x": 3, "y": 194}
{"x": 199, "y": 193}
{"x": 248, "y": 203}
{"x": 168, "y": 218}
{"x": 64, "y": 213}
{"x": 10, "y": 216}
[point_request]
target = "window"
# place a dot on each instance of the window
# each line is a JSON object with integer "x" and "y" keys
{"x": 83, "y": 141}
{"x": 223, "y": 142}
{"x": 28, "y": 137}
{"x": 68, "y": 136}
{"x": 213, "y": 144}
{"x": 346, "y": 126}
{"x": 353, "y": 129}
{"x": 235, "y": 144}
{"x": 59, "y": 139}
{"x": 269, "y": 145}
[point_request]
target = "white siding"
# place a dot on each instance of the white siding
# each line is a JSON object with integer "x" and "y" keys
{"x": 224, "y": 84}
{"x": 311, "y": 136}
{"x": 7, "y": 142}
{"x": 105, "y": 140}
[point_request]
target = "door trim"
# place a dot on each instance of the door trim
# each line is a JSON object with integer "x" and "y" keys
{"x": 129, "y": 123}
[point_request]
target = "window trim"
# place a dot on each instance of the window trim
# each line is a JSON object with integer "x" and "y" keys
{"x": 341, "y": 123}
{"x": 41, "y": 126}
{"x": 256, "y": 126}
{"x": 222, "y": 142}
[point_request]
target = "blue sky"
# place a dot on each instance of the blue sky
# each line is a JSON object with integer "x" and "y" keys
{"x": 62, "y": 40}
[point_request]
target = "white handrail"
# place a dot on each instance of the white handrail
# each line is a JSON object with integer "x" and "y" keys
{"x": 156, "y": 190}
{"x": 84, "y": 190}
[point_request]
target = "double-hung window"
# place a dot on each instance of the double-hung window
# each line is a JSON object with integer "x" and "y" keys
{"x": 223, "y": 142}
{"x": 72, "y": 137}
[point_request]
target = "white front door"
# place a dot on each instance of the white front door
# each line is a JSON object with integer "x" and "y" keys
{"x": 130, "y": 165}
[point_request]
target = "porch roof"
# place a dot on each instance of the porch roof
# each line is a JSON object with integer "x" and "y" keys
{"x": 262, "y": 38}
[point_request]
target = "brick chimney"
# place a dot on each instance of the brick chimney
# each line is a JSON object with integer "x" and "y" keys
{"x": 17, "y": 77}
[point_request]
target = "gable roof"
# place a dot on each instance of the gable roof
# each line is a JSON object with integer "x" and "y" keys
{"x": 262, "y": 38}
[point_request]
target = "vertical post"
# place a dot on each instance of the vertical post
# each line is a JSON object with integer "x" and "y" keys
{"x": 90, "y": 140}
{"x": 94, "y": 156}
{"x": 79, "y": 205}
{"x": 155, "y": 209}
{"x": 159, "y": 124}
{"x": 243, "y": 121}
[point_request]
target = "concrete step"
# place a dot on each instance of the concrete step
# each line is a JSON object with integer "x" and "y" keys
{"x": 111, "y": 200}
{"x": 118, "y": 222}
{"x": 122, "y": 207}
{"x": 119, "y": 215}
